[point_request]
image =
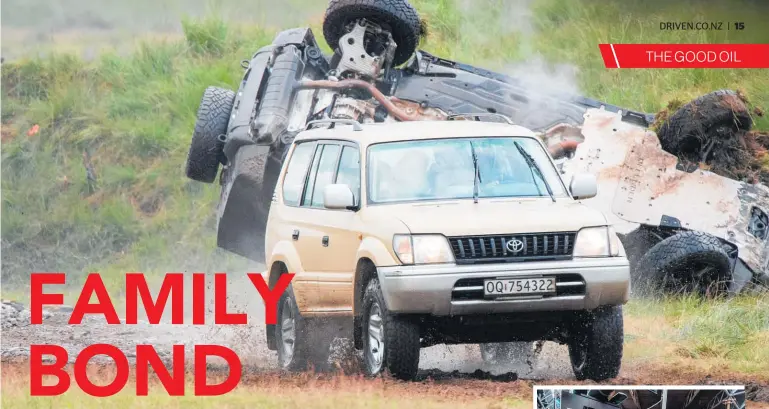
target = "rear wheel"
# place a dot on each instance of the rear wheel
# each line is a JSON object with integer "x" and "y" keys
{"x": 595, "y": 347}
{"x": 298, "y": 342}
{"x": 205, "y": 152}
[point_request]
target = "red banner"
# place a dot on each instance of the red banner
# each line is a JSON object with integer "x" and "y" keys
{"x": 685, "y": 55}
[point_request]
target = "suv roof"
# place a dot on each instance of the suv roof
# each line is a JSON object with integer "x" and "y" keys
{"x": 414, "y": 130}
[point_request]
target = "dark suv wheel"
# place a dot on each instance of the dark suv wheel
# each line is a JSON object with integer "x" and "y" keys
{"x": 206, "y": 149}
{"x": 396, "y": 15}
{"x": 390, "y": 342}
{"x": 687, "y": 262}
{"x": 596, "y": 343}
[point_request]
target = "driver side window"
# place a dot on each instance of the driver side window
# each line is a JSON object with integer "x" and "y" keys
{"x": 349, "y": 171}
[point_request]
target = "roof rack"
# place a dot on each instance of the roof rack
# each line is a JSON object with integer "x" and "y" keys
{"x": 478, "y": 116}
{"x": 355, "y": 124}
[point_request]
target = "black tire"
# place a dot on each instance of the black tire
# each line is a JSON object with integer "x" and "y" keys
{"x": 397, "y": 15}
{"x": 596, "y": 344}
{"x": 309, "y": 348}
{"x": 690, "y": 261}
{"x": 712, "y": 118}
{"x": 206, "y": 152}
{"x": 400, "y": 354}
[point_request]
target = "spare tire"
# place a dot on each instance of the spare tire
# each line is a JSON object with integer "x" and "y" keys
{"x": 689, "y": 262}
{"x": 397, "y": 16}
{"x": 206, "y": 150}
{"x": 715, "y": 118}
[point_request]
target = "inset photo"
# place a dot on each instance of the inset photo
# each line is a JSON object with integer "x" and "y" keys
{"x": 640, "y": 397}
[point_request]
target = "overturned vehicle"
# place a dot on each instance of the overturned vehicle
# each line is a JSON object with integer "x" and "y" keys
{"x": 683, "y": 228}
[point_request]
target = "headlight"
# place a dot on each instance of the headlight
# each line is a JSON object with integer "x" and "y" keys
{"x": 422, "y": 249}
{"x": 596, "y": 242}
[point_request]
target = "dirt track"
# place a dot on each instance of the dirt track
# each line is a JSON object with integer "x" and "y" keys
{"x": 455, "y": 372}
{"x": 445, "y": 371}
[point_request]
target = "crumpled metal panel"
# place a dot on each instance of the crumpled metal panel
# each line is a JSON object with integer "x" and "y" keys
{"x": 638, "y": 183}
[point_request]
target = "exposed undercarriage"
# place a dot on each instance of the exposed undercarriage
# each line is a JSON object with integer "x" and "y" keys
{"x": 290, "y": 83}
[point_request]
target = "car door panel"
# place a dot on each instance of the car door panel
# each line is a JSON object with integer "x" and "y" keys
{"x": 342, "y": 227}
{"x": 289, "y": 218}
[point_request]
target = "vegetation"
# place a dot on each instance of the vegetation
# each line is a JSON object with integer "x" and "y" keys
{"x": 727, "y": 335}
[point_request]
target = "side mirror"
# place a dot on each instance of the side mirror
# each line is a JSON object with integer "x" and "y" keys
{"x": 338, "y": 196}
{"x": 584, "y": 186}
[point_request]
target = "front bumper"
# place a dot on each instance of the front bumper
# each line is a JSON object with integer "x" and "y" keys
{"x": 437, "y": 289}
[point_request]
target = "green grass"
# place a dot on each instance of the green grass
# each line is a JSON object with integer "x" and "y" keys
{"x": 133, "y": 114}
{"x": 730, "y": 333}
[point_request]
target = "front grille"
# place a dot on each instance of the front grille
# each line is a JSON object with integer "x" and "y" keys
{"x": 529, "y": 246}
{"x": 468, "y": 289}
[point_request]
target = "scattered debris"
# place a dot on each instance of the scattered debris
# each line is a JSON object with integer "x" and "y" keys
{"x": 34, "y": 130}
{"x": 14, "y": 314}
{"x": 436, "y": 374}
{"x": 720, "y": 140}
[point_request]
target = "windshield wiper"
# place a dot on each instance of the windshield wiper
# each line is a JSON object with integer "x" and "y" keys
{"x": 477, "y": 177}
{"x": 533, "y": 165}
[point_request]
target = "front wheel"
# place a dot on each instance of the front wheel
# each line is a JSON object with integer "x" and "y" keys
{"x": 390, "y": 342}
{"x": 595, "y": 347}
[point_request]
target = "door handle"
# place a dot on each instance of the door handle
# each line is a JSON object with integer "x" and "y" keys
{"x": 325, "y": 241}
{"x": 295, "y": 235}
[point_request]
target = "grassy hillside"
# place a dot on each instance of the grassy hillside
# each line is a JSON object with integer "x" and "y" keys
{"x": 132, "y": 115}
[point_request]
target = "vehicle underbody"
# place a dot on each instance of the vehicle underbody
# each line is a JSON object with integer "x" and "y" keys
{"x": 372, "y": 78}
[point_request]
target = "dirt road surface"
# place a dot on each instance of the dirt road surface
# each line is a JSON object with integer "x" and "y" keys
{"x": 456, "y": 373}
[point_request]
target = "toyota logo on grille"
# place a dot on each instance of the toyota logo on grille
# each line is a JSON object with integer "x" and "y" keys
{"x": 515, "y": 246}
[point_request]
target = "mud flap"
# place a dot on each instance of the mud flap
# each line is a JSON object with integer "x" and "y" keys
{"x": 245, "y": 203}
{"x": 741, "y": 276}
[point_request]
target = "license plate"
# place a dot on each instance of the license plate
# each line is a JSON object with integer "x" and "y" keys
{"x": 514, "y": 286}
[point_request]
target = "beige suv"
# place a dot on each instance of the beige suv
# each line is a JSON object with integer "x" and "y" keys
{"x": 430, "y": 232}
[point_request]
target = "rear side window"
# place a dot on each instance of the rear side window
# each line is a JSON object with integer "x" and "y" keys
{"x": 293, "y": 183}
{"x": 325, "y": 174}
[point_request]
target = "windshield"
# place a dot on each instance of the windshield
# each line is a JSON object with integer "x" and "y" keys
{"x": 444, "y": 169}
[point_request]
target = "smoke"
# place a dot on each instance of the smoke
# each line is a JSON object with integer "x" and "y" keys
{"x": 538, "y": 75}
